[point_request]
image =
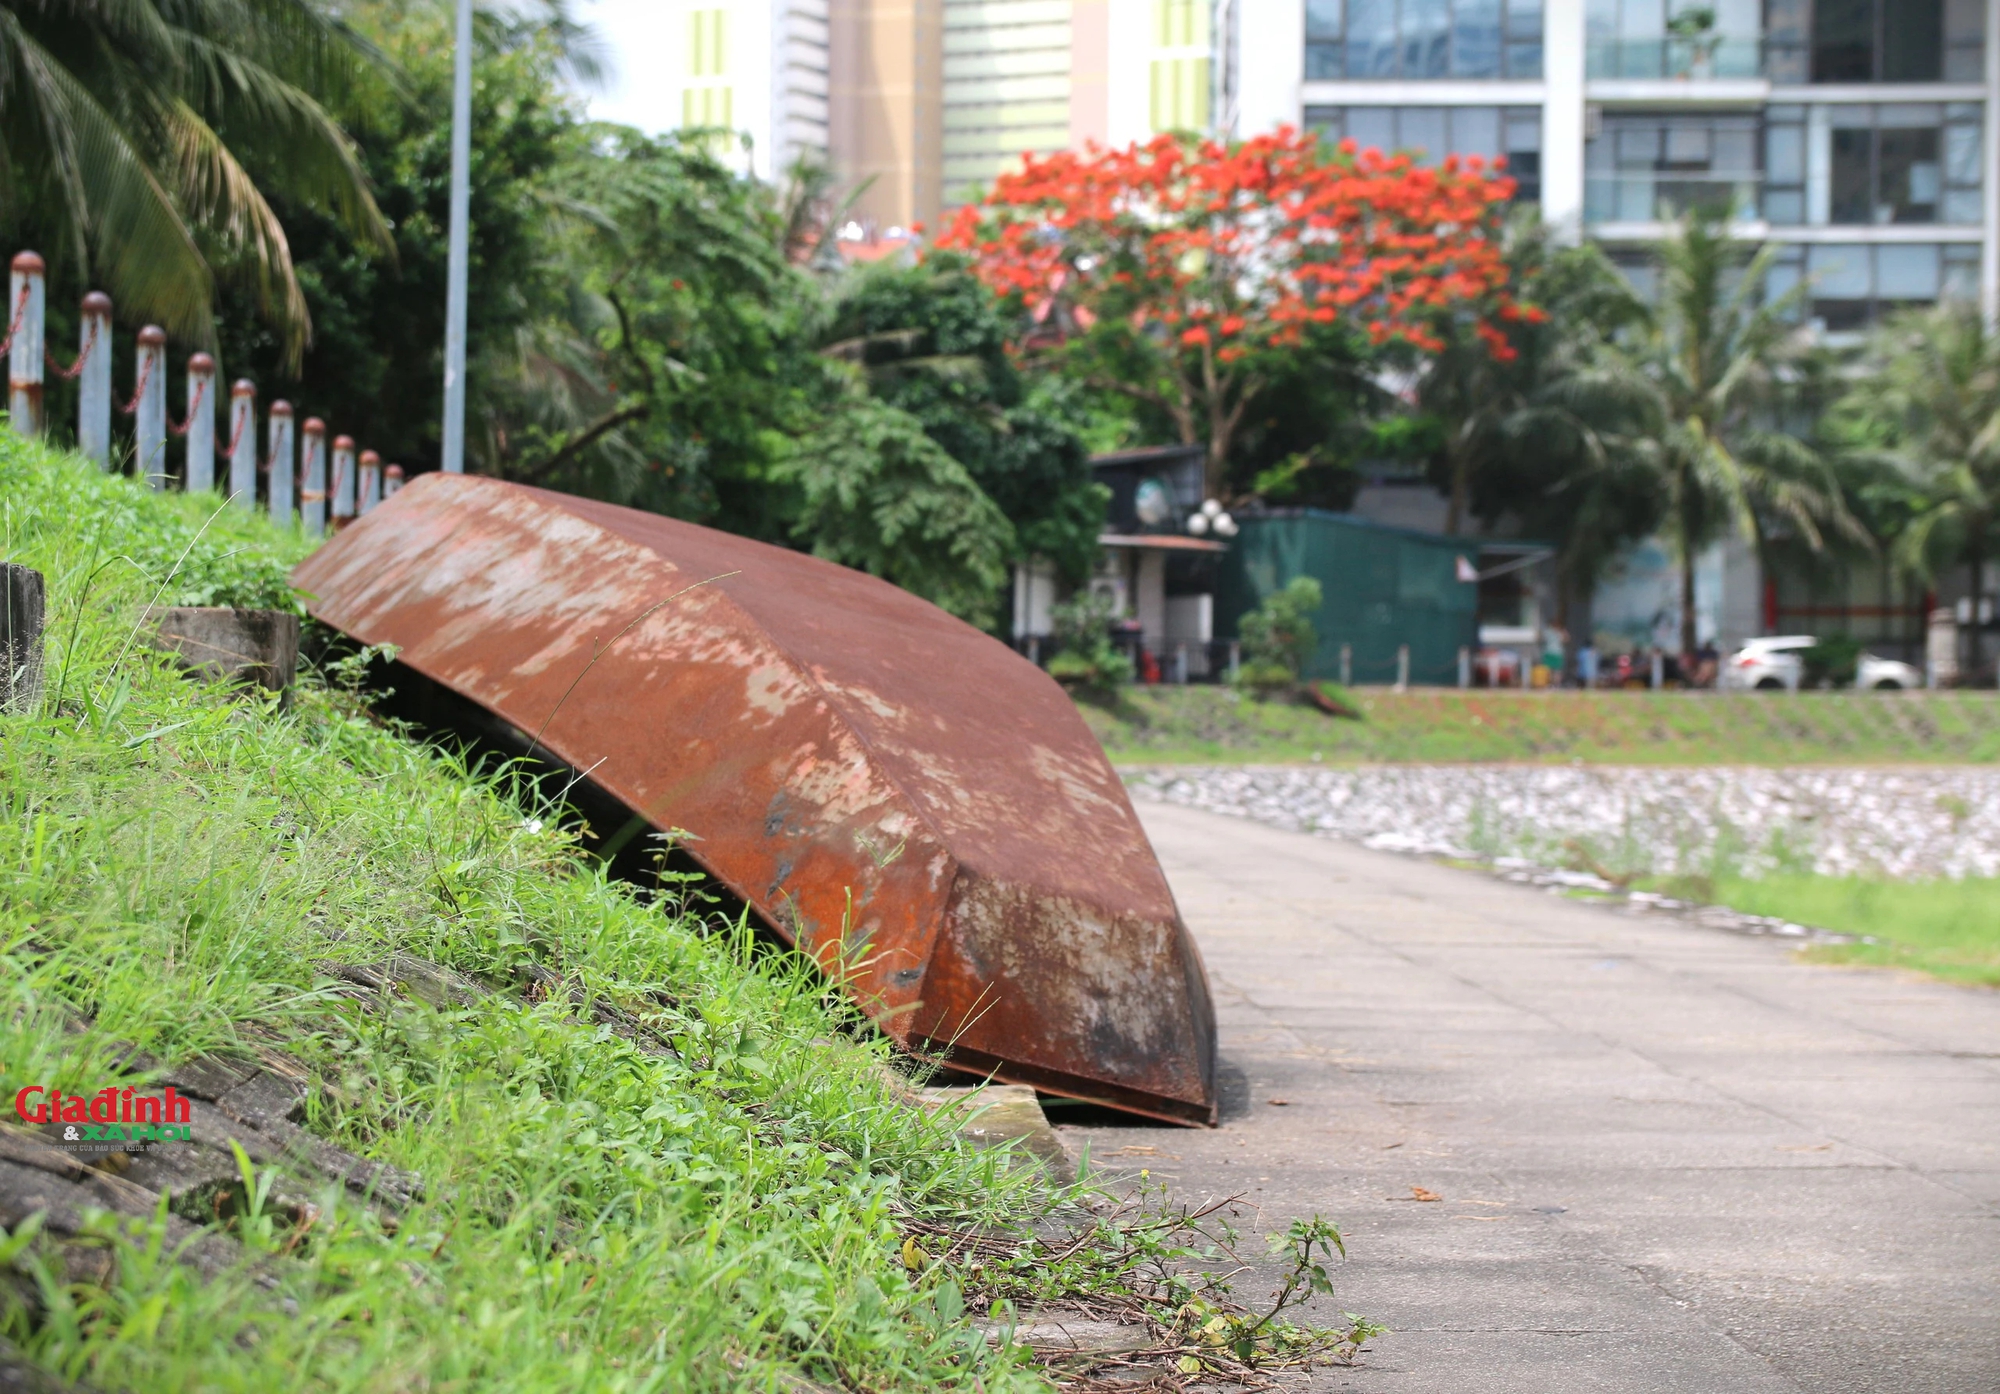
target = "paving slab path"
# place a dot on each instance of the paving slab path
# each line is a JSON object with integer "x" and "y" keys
{"x": 1670, "y": 1158}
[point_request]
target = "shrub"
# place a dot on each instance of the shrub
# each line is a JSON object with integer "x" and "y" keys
{"x": 1278, "y": 636}
{"x": 1085, "y": 655}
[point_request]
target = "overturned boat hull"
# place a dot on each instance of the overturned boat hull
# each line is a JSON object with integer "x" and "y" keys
{"x": 897, "y": 794}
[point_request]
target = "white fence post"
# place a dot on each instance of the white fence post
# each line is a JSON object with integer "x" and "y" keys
{"x": 1402, "y": 668}
{"x": 1464, "y": 666}
{"x": 1659, "y": 668}
{"x": 1347, "y": 665}
{"x": 392, "y": 480}
{"x": 371, "y": 482}
{"x": 343, "y": 481}
{"x": 149, "y": 405}
{"x": 312, "y": 475}
{"x": 284, "y": 463}
{"x": 199, "y": 476}
{"x": 93, "y": 380}
{"x": 26, "y": 348}
{"x": 243, "y": 444}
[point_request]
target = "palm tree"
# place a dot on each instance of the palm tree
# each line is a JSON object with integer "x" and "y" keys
{"x": 1527, "y": 438}
{"x": 1484, "y": 403}
{"x": 1702, "y": 385}
{"x": 142, "y": 137}
{"x": 1929, "y": 410}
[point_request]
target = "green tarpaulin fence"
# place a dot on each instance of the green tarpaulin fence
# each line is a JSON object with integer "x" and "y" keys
{"x": 1384, "y": 587}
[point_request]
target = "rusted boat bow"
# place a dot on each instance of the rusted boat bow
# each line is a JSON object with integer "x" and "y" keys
{"x": 894, "y": 792}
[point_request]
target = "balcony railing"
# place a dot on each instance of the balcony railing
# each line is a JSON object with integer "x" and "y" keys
{"x": 1664, "y": 196}
{"x": 1665, "y": 57}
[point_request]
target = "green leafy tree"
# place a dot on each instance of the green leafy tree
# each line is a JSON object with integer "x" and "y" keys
{"x": 933, "y": 341}
{"x": 1278, "y": 636}
{"x": 1700, "y": 392}
{"x": 1927, "y": 413}
{"x": 873, "y": 491}
{"x": 148, "y": 140}
{"x": 376, "y": 366}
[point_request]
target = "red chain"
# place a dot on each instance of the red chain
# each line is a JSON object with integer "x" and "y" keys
{"x": 145, "y": 376}
{"x": 20, "y": 312}
{"x": 236, "y": 432}
{"x": 200, "y": 394}
{"x": 89, "y": 347}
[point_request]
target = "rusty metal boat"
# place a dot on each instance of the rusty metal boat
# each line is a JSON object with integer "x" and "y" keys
{"x": 892, "y": 791}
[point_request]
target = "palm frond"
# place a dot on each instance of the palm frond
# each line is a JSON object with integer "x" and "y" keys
{"x": 220, "y": 193}
{"x": 125, "y": 221}
{"x": 301, "y": 150}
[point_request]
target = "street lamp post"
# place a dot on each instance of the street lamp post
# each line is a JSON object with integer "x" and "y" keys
{"x": 461, "y": 198}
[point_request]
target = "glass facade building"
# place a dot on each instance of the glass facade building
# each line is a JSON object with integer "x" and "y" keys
{"x": 1857, "y": 135}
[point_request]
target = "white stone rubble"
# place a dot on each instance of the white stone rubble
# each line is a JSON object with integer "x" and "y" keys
{"x": 1598, "y": 820}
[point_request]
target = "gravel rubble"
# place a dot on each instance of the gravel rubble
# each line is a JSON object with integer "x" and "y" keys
{"x": 1591, "y": 829}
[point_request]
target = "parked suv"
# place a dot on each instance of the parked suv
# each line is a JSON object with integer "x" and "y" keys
{"x": 1778, "y": 663}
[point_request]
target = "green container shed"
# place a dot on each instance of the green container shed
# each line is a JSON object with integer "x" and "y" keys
{"x": 1384, "y": 587}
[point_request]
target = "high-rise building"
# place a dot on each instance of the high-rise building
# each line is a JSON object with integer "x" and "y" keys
{"x": 1858, "y": 135}
{"x": 757, "y": 68}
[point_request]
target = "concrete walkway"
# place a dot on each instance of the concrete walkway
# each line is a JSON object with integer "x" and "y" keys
{"x": 1670, "y": 1159}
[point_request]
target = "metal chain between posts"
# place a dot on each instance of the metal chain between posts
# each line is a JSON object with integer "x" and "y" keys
{"x": 89, "y": 347}
{"x": 200, "y": 394}
{"x": 20, "y": 310}
{"x": 145, "y": 376}
{"x": 236, "y": 435}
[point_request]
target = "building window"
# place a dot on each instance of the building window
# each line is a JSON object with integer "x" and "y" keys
{"x": 1359, "y": 39}
{"x": 1432, "y": 132}
{"x": 705, "y": 42}
{"x": 1180, "y": 71}
{"x": 705, "y": 101}
{"x": 1643, "y": 168}
{"x": 1631, "y": 38}
{"x": 1851, "y": 286}
{"x": 1875, "y": 40}
{"x": 1864, "y": 164}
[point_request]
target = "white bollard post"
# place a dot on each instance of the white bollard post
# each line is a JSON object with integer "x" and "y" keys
{"x": 149, "y": 405}
{"x": 392, "y": 480}
{"x": 343, "y": 482}
{"x": 371, "y": 482}
{"x": 1347, "y": 665}
{"x": 312, "y": 476}
{"x": 199, "y": 476}
{"x": 1402, "y": 668}
{"x": 93, "y": 380}
{"x": 284, "y": 464}
{"x": 26, "y": 348}
{"x": 1464, "y": 667}
{"x": 243, "y": 444}
{"x": 1659, "y": 668}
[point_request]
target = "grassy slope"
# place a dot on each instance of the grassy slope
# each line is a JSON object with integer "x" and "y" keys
{"x": 1950, "y": 929}
{"x": 173, "y": 863}
{"x": 1213, "y": 724}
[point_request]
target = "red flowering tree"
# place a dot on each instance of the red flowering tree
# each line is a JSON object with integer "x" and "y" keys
{"x": 1173, "y": 272}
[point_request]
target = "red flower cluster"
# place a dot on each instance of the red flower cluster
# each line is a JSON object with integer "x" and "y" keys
{"x": 1232, "y": 248}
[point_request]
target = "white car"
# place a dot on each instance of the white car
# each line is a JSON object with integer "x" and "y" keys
{"x": 1778, "y": 663}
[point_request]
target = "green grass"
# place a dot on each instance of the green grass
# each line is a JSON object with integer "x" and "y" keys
{"x": 172, "y": 863}
{"x": 1195, "y": 724}
{"x": 1949, "y": 929}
